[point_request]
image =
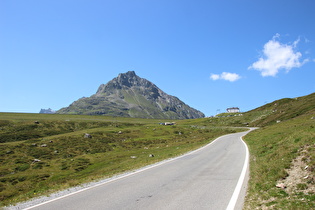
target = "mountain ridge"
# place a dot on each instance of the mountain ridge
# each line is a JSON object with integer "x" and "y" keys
{"x": 129, "y": 95}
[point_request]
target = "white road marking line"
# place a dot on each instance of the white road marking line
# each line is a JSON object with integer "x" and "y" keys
{"x": 126, "y": 175}
{"x": 240, "y": 182}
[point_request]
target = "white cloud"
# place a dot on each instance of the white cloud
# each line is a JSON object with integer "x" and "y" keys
{"x": 225, "y": 76}
{"x": 230, "y": 76}
{"x": 215, "y": 76}
{"x": 278, "y": 56}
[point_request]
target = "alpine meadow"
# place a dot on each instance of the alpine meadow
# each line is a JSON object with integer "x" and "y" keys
{"x": 45, "y": 153}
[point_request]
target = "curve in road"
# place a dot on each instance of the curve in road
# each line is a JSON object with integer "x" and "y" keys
{"x": 206, "y": 178}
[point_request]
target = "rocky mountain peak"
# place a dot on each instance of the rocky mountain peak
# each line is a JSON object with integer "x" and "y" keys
{"x": 128, "y": 79}
{"x": 129, "y": 95}
{"x": 124, "y": 81}
{"x": 129, "y": 74}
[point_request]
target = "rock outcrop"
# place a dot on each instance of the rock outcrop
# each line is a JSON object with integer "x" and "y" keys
{"x": 47, "y": 111}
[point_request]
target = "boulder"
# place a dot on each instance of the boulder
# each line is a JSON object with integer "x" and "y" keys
{"x": 87, "y": 136}
{"x": 36, "y": 160}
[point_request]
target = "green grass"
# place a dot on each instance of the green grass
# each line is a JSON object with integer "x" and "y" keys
{"x": 40, "y": 158}
{"x": 272, "y": 152}
{"x": 69, "y": 159}
{"x": 274, "y": 149}
{"x": 282, "y": 110}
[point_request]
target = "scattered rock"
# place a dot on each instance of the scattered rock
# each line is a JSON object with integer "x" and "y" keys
{"x": 151, "y": 155}
{"x": 119, "y": 132}
{"x": 169, "y": 123}
{"x": 51, "y": 141}
{"x": 87, "y": 136}
{"x": 313, "y": 118}
{"x": 145, "y": 148}
{"x": 300, "y": 177}
{"x": 36, "y": 122}
{"x": 43, "y": 145}
{"x": 281, "y": 185}
{"x": 34, "y": 145}
{"x": 278, "y": 121}
{"x": 133, "y": 157}
{"x": 36, "y": 160}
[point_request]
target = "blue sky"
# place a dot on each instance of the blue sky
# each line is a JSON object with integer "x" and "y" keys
{"x": 210, "y": 54}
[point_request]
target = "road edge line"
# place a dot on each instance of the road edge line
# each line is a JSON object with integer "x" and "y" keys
{"x": 121, "y": 176}
{"x": 241, "y": 179}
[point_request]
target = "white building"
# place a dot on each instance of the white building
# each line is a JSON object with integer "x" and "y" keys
{"x": 233, "y": 110}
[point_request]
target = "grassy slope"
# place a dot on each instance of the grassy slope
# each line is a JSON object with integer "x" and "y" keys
{"x": 269, "y": 114}
{"x": 279, "y": 154}
{"x": 68, "y": 159}
{"x": 281, "y": 110}
{"x": 137, "y": 99}
{"x": 273, "y": 150}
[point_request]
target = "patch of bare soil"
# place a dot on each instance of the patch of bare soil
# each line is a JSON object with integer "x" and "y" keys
{"x": 300, "y": 179}
{"x": 300, "y": 176}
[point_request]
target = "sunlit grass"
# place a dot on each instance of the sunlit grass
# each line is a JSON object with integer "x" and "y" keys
{"x": 123, "y": 144}
{"x": 44, "y": 153}
{"x": 272, "y": 150}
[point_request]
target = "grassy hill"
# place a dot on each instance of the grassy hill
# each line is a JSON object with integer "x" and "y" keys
{"x": 281, "y": 110}
{"x": 269, "y": 114}
{"x": 282, "y": 155}
{"x": 41, "y": 153}
{"x": 282, "y": 151}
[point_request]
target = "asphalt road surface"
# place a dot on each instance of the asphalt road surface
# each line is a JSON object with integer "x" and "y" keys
{"x": 204, "y": 179}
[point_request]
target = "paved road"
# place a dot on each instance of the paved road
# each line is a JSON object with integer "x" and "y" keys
{"x": 204, "y": 179}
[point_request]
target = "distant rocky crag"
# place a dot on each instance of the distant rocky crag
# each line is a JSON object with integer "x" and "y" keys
{"x": 128, "y": 95}
{"x": 47, "y": 111}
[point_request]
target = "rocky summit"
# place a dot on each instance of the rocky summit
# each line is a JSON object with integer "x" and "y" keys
{"x": 128, "y": 95}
